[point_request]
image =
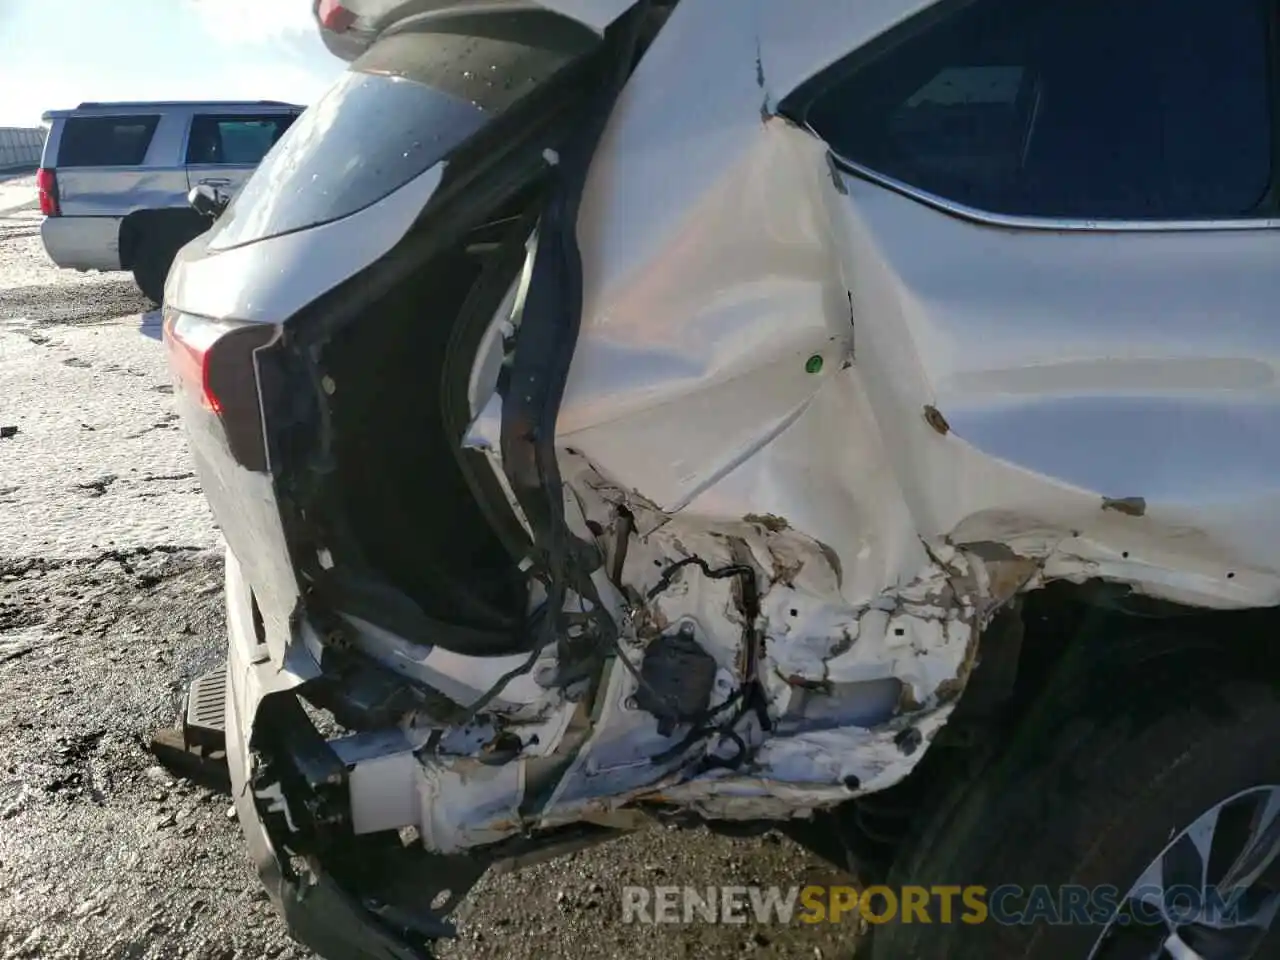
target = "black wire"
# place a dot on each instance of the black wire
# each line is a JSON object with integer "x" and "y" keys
{"x": 721, "y": 573}
{"x": 541, "y": 366}
{"x": 488, "y": 696}
{"x": 700, "y": 729}
{"x": 732, "y": 763}
{"x": 701, "y": 725}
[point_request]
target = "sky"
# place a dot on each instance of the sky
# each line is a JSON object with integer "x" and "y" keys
{"x": 55, "y": 54}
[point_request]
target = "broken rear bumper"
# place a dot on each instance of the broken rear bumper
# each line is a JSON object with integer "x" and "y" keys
{"x": 320, "y": 915}
{"x": 316, "y": 909}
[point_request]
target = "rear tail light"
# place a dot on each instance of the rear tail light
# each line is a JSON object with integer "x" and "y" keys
{"x": 190, "y": 341}
{"x": 213, "y": 364}
{"x": 47, "y": 185}
{"x": 334, "y": 16}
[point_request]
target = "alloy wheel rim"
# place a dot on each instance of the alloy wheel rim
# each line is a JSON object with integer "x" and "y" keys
{"x": 1212, "y": 894}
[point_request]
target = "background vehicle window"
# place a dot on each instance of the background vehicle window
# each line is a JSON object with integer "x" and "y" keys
{"x": 106, "y": 141}
{"x": 1146, "y": 109}
{"x": 243, "y": 141}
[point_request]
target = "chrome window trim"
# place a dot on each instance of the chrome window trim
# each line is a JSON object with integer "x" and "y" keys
{"x": 1057, "y": 225}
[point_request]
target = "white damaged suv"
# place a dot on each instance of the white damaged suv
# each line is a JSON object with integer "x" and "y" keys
{"x": 855, "y": 417}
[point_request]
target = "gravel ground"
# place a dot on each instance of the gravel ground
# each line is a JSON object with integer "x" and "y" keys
{"x": 110, "y": 579}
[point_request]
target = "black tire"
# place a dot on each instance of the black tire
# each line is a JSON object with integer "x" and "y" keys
{"x": 151, "y": 267}
{"x": 159, "y": 240}
{"x": 1130, "y": 744}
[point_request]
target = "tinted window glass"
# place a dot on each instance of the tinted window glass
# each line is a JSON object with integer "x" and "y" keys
{"x": 235, "y": 140}
{"x": 1142, "y": 109}
{"x": 401, "y": 109}
{"x": 106, "y": 141}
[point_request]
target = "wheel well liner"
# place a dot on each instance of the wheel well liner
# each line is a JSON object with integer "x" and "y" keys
{"x": 167, "y": 223}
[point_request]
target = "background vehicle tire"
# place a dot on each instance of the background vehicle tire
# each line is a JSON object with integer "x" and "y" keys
{"x": 1133, "y": 741}
{"x": 151, "y": 266}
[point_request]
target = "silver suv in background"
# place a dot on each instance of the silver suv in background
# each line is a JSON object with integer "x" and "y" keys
{"x": 114, "y": 177}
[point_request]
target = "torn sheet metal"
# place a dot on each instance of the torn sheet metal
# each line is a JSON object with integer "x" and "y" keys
{"x": 849, "y": 694}
{"x": 804, "y": 425}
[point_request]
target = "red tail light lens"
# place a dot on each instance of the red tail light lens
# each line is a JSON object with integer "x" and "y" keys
{"x": 189, "y": 341}
{"x": 214, "y": 365}
{"x": 47, "y": 185}
{"x": 334, "y": 16}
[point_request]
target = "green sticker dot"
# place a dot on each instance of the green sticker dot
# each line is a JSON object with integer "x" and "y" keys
{"x": 813, "y": 364}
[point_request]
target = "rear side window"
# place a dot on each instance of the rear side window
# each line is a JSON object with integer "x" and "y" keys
{"x": 1142, "y": 109}
{"x": 401, "y": 108}
{"x": 106, "y": 141}
{"x": 243, "y": 141}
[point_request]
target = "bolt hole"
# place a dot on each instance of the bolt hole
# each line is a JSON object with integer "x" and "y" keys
{"x": 1231, "y": 575}
{"x": 795, "y": 612}
{"x": 657, "y": 563}
{"x": 1125, "y": 554}
{"x": 899, "y": 631}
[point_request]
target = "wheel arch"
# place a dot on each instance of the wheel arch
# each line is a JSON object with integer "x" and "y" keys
{"x": 1045, "y": 650}
{"x": 1110, "y": 673}
{"x": 166, "y": 223}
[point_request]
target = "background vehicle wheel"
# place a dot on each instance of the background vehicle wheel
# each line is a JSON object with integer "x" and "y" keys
{"x": 1118, "y": 775}
{"x": 151, "y": 266}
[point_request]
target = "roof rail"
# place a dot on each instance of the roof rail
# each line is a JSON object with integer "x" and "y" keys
{"x": 92, "y": 104}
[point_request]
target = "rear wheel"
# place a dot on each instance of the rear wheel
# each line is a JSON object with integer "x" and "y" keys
{"x": 151, "y": 267}
{"x": 161, "y": 239}
{"x": 1149, "y": 772}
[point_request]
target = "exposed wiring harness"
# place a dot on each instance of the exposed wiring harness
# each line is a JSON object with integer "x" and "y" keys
{"x": 538, "y": 375}
{"x": 749, "y": 696}
{"x": 720, "y": 573}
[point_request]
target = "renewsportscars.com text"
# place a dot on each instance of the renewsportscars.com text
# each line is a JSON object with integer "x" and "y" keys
{"x": 1008, "y": 904}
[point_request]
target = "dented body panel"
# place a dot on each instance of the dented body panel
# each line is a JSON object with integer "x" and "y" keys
{"x": 783, "y": 366}
{"x": 815, "y": 435}
{"x": 1071, "y": 370}
{"x": 899, "y": 417}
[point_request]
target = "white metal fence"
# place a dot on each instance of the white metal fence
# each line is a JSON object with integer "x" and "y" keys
{"x": 21, "y": 146}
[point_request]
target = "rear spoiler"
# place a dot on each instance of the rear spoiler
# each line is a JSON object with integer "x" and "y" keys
{"x": 349, "y": 27}
{"x": 596, "y": 14}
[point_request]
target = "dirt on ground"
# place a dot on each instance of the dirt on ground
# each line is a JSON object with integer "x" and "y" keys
{"x": 110, "y": 604}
